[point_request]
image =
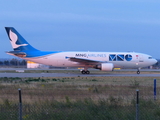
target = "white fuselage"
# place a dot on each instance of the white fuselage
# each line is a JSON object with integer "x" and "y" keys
{"x": 118, "y": 59}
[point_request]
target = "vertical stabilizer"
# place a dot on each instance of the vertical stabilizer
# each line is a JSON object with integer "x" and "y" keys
{"x": 17, "y": 41}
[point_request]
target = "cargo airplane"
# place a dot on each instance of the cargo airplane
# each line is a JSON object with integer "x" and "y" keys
{"x": 105, "y": 61}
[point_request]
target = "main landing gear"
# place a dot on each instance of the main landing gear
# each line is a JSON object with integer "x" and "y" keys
{"x": 85, "y": 72}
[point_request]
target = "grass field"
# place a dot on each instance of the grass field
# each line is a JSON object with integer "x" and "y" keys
{"x": 57, "y": 88}
{"x": 83, "y": 98}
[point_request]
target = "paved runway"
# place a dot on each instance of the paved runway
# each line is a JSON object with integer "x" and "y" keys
{"x": 71, "y": 75}
{"x": 156, "y": 73}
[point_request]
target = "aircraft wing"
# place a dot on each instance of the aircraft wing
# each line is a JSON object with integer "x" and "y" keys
{"x": 86, "y": 61}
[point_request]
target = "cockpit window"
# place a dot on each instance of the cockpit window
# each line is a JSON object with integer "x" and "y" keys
{"x": 149, "y": 57}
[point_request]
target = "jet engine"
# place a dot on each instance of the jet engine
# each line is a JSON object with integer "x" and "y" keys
{"x": 105, "y": 67}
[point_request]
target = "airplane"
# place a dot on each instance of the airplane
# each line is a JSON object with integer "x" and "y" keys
{"x": 104, "y": 61}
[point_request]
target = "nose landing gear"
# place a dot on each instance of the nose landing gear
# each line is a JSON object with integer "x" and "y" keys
{"x": 138, "y": 71}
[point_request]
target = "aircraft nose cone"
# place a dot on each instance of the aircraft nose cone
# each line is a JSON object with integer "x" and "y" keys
{"x": 155, "y": 61}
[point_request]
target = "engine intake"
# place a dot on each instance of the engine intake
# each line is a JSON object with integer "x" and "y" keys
{"x": 105, "y": 67}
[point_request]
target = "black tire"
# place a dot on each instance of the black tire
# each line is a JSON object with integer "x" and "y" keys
{"x": 138, "y": 72}
{"x": 83, "y": 72}
{"x": 87, "y": 72}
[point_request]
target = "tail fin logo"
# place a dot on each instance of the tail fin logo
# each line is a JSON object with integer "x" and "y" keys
{"x": 13, "y": 40}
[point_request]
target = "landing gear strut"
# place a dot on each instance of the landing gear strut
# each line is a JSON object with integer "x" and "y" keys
{"x": 85, "y": 72}
{"x": 138, "y": 71}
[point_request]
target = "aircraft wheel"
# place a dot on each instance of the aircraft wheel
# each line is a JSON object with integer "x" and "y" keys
{"x": 83, "y": 72}
{"x": 138, "y": 72}
{"x": 87, "y": 72}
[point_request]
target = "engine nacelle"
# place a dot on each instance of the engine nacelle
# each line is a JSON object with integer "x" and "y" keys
{"x": 105, "y": 67}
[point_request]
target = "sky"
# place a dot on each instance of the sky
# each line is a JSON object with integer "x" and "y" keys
{"x": 83, "y": 25}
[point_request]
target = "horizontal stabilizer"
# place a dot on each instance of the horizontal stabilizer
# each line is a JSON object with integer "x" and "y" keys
{"x": 16, "y": 53}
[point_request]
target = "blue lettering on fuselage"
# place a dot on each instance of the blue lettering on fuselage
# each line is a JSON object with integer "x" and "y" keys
{"x": 96, "y": 55}
{"x": 112, "y": 57}
{"x": 90, "y": 55}
{"x": 120, "y": 57}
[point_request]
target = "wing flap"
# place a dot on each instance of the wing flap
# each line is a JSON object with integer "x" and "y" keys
{"x": 86, "y": 61}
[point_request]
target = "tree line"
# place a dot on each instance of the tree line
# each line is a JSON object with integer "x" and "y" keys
{"x": 13, "y": 62}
